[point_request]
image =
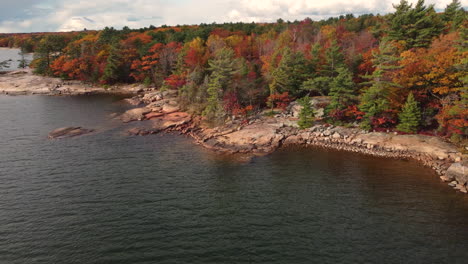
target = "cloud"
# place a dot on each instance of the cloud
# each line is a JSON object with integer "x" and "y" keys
{"x": 66, "y": 15}
{"x": 270, "y": 10}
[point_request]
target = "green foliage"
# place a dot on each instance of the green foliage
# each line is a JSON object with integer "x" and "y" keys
{"x": 306, "y": 115}
{"x": 454, "y": 14}
{"x": 223, "y": 66}
{"x": 373, "y": 103}
{"x": 319, "y": 85}
{"x": 335, "y": 60}
{"x": 48, "y": 49}
{"x": 291, "y": 72}
{"x": 410, "y": 116}
{"x": 213, "y": 110}
{"x": 113, "y": 71}
{"x": 415, "y": 27}
{"x": 342, "y": 90}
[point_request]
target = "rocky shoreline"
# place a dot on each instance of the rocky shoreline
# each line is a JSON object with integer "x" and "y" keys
{"x": 24, "y": 82}
{"x": 263, "y": 134}
{"x": 260, "y": 135}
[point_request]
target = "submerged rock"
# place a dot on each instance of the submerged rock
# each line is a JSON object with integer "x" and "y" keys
{"x": 69, "y": 132}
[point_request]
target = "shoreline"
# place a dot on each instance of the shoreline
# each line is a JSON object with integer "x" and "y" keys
{"x": 262, "y": 135}
{"x": 24, "y": 82}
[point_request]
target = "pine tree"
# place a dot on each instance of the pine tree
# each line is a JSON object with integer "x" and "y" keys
{"x": 23, "y": 63}
{"x": 319, "y": 85}
{"x": 342, "y": 90}
{"x": 335, "y": 60}
{"x": 417, "y": 26}
{"x": 306, "y": 115}
{"x": 112, "y": 71}
{"x": 374, "y": 100}
{"x": 213, "y": 110}
{"x": 48, "y": 49}
{"x": 223, "y": 65}
{"x": 454, "y": 14}
{"x": 410, "y": 116}
{"x": 291, "y": 72}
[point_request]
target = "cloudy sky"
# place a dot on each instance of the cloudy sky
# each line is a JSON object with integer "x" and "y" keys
{"x": 67, "y": 15}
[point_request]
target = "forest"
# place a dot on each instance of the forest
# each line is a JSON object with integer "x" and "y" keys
{"x": 405, "y": 71}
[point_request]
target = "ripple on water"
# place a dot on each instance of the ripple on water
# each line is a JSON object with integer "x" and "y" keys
{"x": 108, "y": 198}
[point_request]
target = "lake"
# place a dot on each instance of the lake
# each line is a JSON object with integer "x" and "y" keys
{"x": 112, "y": 198}
{"x": 13, "y": 55}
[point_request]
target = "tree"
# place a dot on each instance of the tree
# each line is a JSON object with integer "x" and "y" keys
{"x": 306, "y": 115}
{"x": 290, "y": 74}
{"x": 375, "y": 99}
{"x": 414, "y": 27}
{"x": 48, "y": 49}
{"x": 319, "y": 85}
{"x": 213, "y": 110}
{"x": 113, "y": 71}
{"x": 23, "y": 63}
{"x": 454, "y": 14}
{"x": 334, "y": 58}
{"x": 342, "y": 90}
{"x": 410, "y": 116}
{"x": 223, "y": 66}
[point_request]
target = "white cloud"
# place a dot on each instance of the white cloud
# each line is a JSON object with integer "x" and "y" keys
{"x": 269, "y": 10}
{"x": 65, "y": 15}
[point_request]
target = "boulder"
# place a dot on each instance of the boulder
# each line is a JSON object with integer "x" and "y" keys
{"x": 170, "y": 108}
{"x": 170, "y": 120}
{"x": 458, "y": 172}
{"x": 65, "y": 132}
{"x": 153, "y": 96}
{"x": 133, "y": 101}
{"x": 134, "y": 114}
{"x": 318, "y": 104}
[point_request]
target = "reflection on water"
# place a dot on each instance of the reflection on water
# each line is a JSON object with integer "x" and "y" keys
{"x": 109, "y": 198}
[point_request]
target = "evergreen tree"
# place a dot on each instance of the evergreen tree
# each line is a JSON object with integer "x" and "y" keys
{"x": 223, "y": 65}
{"x": 314, "y": 62}
{"x": 319, "y": 85}
{"x": 23, "y": 63}
{"x": 113, "y": 71}
{"x": 48, "y": 49}
{"x": 335, "y": 59}
{"x": 342, "y": 90}
{"x": 410, "y": 116}
{"x": 375, "y": 101}
{"x": 306, "y": 115}
{"x": 322, "y": 83}
{"x": 291, "y": 72}
{"x": 454, "y": 14}
{"x": 213, "y": 110}
{"x": 417, "y": 26}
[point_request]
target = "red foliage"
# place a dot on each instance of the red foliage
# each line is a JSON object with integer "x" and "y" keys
{"x": 279, "y": 100}
{"x": 349, "y": 114}
{"x": 231, "y": 103}
{"x": 175, "y": 81}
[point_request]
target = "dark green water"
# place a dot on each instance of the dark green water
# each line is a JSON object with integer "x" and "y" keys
{"x": 109, "y": 198}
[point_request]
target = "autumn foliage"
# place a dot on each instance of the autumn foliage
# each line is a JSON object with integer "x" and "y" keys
{"x": 237, "y": 68}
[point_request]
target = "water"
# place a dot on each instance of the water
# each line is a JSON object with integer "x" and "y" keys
{"x": 110, "y": 198}
{"x": 13, "y": 55}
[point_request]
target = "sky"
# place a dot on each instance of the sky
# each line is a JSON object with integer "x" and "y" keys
{"x": 69, "y": 15}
